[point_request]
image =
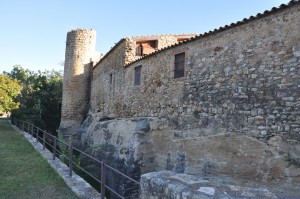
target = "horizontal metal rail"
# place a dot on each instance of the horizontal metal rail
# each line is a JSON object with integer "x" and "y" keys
{"x": 58, "y": 145}
{"x": 85, "y": 171}
{"x": 122, "y": 174}
{"x": 88, "y": 155}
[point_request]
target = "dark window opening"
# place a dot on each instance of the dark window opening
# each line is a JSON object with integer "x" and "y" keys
{"x": 145, "y": 47}
{"x": 179, "y": 65}
{"x": 139, "y": 50}
{"x": 137, "y": 75}
{"x": 110, "y": 78}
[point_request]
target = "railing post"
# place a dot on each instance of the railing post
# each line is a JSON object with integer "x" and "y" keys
{"x": 28, "y": 131}
{"x": 37, "y": 135}
{"x": 71, "y": 157}
{"x": 23, "y": 125}
{"x": 54, "y": 147}
{"x": 32, "y": 131}
{"x": 44, "y": 140}
{"x": 103, "y": 170}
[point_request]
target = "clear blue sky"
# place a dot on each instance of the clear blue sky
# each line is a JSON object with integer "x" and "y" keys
{"x": 33, "y": 32}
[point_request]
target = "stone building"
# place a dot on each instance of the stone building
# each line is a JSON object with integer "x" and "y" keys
{"x": 225, "y": 102}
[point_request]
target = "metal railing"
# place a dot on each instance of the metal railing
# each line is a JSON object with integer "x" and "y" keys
{"x": 67, "y": 153}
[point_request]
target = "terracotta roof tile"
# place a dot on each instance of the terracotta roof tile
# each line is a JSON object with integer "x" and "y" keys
{"x": 157, "y": 35}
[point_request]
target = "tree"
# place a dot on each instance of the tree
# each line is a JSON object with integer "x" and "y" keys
{"x": 41, "y": 97}
{"x": 9, "y": 89}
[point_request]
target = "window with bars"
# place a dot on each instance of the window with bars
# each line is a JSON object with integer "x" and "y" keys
{"x": 179, "y": 65}
{"x": 137, "y": 75}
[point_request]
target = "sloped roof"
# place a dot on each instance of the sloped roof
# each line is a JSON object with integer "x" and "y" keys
{"x": 140, "y": 37}
{"x": 112, "y": 49}
{"x": 226, "y": 27}
{"x": 159, "y": 35}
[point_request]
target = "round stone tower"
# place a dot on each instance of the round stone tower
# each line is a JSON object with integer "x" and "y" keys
{"x": 80, "y": 50}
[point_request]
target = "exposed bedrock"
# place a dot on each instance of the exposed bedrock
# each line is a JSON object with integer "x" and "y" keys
{"x": 140, "y": 145}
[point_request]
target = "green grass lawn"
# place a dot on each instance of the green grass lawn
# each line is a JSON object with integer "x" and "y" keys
{"x": 24, "y": 173}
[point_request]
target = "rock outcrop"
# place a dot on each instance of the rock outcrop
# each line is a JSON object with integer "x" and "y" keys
{"x": 138, "y": 146}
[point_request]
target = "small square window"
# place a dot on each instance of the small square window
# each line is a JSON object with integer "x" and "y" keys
{"x": 137, "y": 75}
{"x": 179, "y": 65}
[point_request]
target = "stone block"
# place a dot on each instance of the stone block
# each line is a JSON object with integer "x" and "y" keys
{"x": 259, "y": 120}
{"x": 167, "y": 184}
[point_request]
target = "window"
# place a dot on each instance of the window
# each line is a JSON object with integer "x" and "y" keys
{"x": 137, "y": 75}
{"x": 139, "y": 50}
{"x": 145, "y": 47}
{"x": 179, "y": 65}
{"x": 110, "y": 78}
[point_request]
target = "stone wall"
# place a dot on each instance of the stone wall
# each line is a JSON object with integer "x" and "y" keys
{"x": 80, "y": 50}
{"x": 108, "y": 81}
{"x": 234, "y": 113}
{"x": 241, "y": 79}
{"x": 242, "y": 82}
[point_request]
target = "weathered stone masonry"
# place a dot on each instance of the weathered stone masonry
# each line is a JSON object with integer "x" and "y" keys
{"x": 80, "y": 50}
{"x": 235, "y": 112}
{"x": 245, "y": 78}
{"x": 108, "y": 94}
